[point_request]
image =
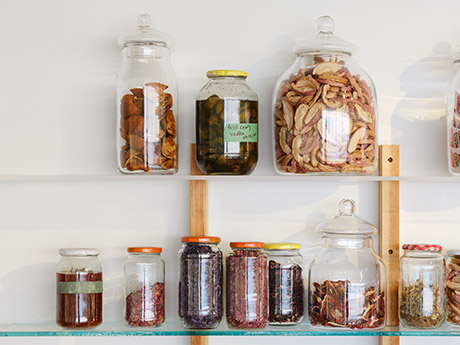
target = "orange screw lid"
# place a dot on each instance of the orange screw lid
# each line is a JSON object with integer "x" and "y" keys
{"x": 247, "y": 244}
{"x": 200, "y": 239}
{"x": 145, "y": 249}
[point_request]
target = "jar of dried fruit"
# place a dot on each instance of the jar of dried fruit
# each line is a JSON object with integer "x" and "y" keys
{"x": 453, "y": 118}
{"x": 422, "y": 301}
{"x": 325, "y": 110}
{"x": 144, "y": 272}
{"x": 226, "y": 124}
{"x": 147, "y": 103}
{"x": 247, "y": 285}
{"x": 285, "y": 284}
{"x": 346, "y": 277}
{"x": 200, "y": 282}
{"x": 79, "y": 288}
{"x": 453, "y": 288}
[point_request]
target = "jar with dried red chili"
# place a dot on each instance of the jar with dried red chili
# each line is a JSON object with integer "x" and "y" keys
{"x": 144, "y": 287}
{"x": 247, "y": 285}
{"x": 79, "y": 288}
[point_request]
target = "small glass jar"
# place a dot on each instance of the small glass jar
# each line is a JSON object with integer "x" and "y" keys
{"x": 200, "y": 282}
{"x": 226, "y": 124}
{"x": 79, "y": 288}
{"x": 346, "y": 278}
{"x": 453, "y": 118}
{"x": 325, "y": 110}
{"x": 247, "y": 285}
{"x": 144, "y": 272}
{"x": 285, "y": 284}
{"x": 421, "y": 288}
{"x": 147, "y": 103}
{"x": 453, "y": 288}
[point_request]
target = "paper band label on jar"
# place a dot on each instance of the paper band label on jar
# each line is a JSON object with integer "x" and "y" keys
{"x": 79, "y": 287}
{"x": 240, "y": 132}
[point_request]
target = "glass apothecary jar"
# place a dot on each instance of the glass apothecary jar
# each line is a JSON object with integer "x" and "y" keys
{"x": 79, "y": 288}
{"x": 147, "y": 103}
{"x": 421, "y": 287}
{"x": 453, "y": 288}
{"x": 200, "y": 282}
{"x": 325, "y": 110}
{"x": 346, "y": 277}
{"x": 285, "y": 284}
{"x": 144, "y": 272}
{"x": 453, "y": 118}
{"x": 226, "y": 124}
{"x": 247, "y": 285}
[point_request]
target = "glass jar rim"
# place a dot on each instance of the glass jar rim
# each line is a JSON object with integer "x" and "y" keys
{"x": 79, "y": 251}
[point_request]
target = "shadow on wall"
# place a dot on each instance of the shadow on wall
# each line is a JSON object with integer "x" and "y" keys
{"x": 418, "y": 122}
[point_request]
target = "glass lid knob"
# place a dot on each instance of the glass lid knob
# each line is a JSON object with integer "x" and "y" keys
{"x": 143, "y": 22}
{"x": 325, "y": 25}
{"x": 347, "y": 207}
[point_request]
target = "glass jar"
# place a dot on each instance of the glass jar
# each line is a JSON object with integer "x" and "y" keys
{"x": 144, "y": 272}
{"x": 79, "y": 288}
{"x": 346, "y": 277}
{"x": 247, "y": 285}
{"x": 147, "y": 103}
{"x": 285, "y": 284}
{"x": 325, "y": 110}
{"x": 421, "y": 287}
{"x": 453, "y": 118}
{"x": 226, "y": 124}
{"x": 453, "y": 287}
{"x": 200, "y": 282}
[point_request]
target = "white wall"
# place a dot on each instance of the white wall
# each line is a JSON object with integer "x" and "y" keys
{"x": 58, "y": 63}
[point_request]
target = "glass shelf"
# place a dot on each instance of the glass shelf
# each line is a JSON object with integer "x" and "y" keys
{"x": 176, "y": 329}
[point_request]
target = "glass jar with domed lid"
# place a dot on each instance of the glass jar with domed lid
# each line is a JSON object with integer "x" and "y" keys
{"x": 325, "y": 110}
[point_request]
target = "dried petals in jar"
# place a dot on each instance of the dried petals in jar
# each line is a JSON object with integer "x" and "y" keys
{"x": 146, "y": 307}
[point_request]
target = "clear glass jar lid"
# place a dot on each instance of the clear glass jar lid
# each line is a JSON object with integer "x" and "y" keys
{"x": 346, "y": 223}
{"x": 325, "y": 40}
{"x": 79, "y": 251}
{"x": 144, "y": 34}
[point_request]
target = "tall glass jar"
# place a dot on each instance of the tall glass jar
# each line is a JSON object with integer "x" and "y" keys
{"x": 346, "y": 277}
{"x": 147, "y": 103}
{"x": 285, "y": 284}
{"x": 325, "y": 110}
{"x": 144, "y": 272}
{"x": 453, "y": 118}
{"x": 453, "y": 288}
{"x": 247, "y": 285}
{"x": 79, "y": 288}
{"x": 200, "y": 282}
{"x": 226, "y": 124}
{"x": 421, "y": 287}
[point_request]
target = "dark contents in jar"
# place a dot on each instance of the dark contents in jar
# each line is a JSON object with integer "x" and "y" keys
{"x": 79, "y": 310}
{"x": 226, "y": 135}
{"x": 247, "y": 289}
{"x": 285, "y": 293}
{"x": 453, "y": 290}
{"x": 200, "y": 286}
{"x": 343, "y": 304}
{"x": 146, "y": 307}
{"x": 148, "y": 126}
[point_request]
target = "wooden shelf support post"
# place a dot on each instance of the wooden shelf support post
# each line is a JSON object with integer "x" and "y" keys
{"x": 389, "y": 232}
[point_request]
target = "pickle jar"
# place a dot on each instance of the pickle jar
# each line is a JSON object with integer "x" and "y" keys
{"x": 144, "y": 272}
{"x": 325, "y": 110}
{"x": 200, "y": 282}
{"x": 453, "y": 288}
{"x": 346, "y": 277}
{"x": 79, "y": 288}
{"x": 247, "y": 285}
{"x": 147, "y": 103}
{"x": 285, "y": 284}
{"x": 421, "y": 286}
{"x": 226, "y": 124}
{"x": 453, "y": 118}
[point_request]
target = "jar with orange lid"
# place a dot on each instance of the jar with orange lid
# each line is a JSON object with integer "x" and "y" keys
{"x": 247, "y": 285}
{"x": 144, "y": 272}
{"x": 200, "y": 282}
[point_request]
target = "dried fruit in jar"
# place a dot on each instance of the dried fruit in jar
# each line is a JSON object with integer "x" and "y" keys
{"x": 453, "y": 290}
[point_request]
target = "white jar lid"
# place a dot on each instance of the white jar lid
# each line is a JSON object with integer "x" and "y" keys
{"x": 79, "y": 251}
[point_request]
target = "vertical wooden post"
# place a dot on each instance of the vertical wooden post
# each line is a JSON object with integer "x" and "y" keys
{"x": 389, "y": 232}
{"x": 198, "y": 216}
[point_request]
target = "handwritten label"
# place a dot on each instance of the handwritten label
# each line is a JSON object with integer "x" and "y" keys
{"x": 240, "y": 133}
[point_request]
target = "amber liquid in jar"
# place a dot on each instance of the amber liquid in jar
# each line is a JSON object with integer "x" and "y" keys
{"x": 79, "y": 310}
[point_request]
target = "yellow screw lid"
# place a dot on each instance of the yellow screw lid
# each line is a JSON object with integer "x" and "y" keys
{"x": 282, "y": 246}
{"x": 226, "y": 73}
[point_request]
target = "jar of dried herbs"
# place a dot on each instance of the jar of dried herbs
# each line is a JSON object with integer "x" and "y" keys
{"x": 453, "y": 287}
{"x": 226, "y": 124}
{"x": 144, "y": 272}
{"x": 79, "y": 288}
{"x": 247, "y": 285}
{"x": 422, "y": 301}
{"x": 200, "y": 282}
{"x": 285, "y": 284}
